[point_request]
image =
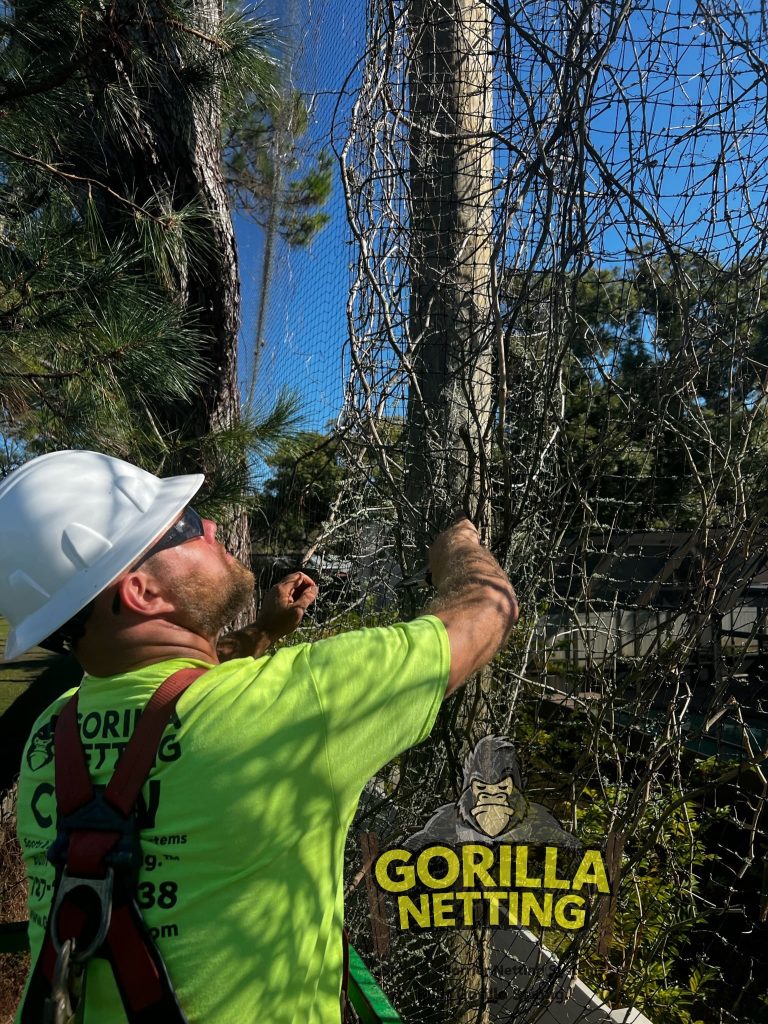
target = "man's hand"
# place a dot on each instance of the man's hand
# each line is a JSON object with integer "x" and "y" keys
{"x": 280, "y": 613}
{"x": 284, "y": 604}
{"x": 450, "y": 544}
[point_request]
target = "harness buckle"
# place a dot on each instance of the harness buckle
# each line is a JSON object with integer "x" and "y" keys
{"x": 98, "y": 815}
{"x": 102, "y": 889}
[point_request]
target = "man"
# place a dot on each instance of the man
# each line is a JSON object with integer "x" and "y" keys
{"x": 256, "y": 780}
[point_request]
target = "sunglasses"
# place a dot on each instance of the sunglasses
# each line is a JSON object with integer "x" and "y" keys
{"x": 188, "y": 527}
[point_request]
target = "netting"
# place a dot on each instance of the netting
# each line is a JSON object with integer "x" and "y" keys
{"x": 541, "y": 300}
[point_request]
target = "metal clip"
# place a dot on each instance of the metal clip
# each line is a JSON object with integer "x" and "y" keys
{"x": 422, "y": 577}
{"x": 58, "y": 1007}
{"x": 102, "y": 887}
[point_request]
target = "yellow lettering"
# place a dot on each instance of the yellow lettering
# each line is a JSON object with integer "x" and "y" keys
{"x": 591, "y": 871}
{"x": 551, "y": 881}
{"x": 476, "y": 861}
{"x": 514, "y": 901}
{"x": 440, "y": 911}
{"x": 522, "y": 881}
{"x": 505, "y": 867}
{"x": 404, "y": 877}
{"x": 420, "y": 914}
{"x": 468, "y": 899}
{"x": 423, "y": 867}
{"x": 574, "y": 919}
{"x": 531, "y": 906}
{"x": 492, "y": 899}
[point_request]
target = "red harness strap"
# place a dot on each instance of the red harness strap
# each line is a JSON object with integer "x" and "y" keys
{"x": 98, "y": 843}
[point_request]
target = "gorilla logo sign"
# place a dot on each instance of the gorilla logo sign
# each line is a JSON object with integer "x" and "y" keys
{"x": 493, "y": 857}
{"x": 493, "y": 806}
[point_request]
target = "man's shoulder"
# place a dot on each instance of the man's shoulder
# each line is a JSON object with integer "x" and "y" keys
{"x": 402, "y": 654}
{"x": 425, "y": 629}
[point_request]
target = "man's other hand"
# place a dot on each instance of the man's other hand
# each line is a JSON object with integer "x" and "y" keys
{"x": 284, "y": 605}
{"x": 280, "y": 613}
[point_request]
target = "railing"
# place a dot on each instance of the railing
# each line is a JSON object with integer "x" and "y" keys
{"x": 369, "y": 1002}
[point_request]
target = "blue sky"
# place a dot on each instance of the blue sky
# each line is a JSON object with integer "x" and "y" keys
{"x": 306, "y": 320}
{"x": 683, "y": 76}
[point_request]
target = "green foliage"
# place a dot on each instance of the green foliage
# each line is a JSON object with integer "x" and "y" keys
{"x": 297, "y": 497}
{"x": 307, "y": 471}
{"x": 663, "y": 378}
{"x": 651, "y": 963}
{"x": 220, "y": 451}
{"x": 100, "y": 344}
{"x": 89, "y": 348}
{"x": 92, "y": 352}
{"x": 266, "y": 173}
{"x": 654, "y": 957}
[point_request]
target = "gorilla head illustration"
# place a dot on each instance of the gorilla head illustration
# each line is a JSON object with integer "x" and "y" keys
{"x": 492, "y": 796}
{"x": 40, "y": 746}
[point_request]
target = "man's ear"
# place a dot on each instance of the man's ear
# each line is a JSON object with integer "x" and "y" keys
{"x": 140, "y": 593}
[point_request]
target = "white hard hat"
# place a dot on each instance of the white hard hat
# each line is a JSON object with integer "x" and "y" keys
{"x": 70, "y": 523}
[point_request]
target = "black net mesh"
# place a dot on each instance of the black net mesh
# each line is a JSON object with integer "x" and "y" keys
{"x": 540, "y": 300}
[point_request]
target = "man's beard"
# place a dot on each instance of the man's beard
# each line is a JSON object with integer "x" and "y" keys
{"x": 207, "y": 608}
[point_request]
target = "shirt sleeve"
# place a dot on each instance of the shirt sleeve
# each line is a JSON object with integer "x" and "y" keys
{"x": 379, "y": 691}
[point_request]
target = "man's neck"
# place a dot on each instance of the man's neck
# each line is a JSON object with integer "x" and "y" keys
{"x": 101, "y": 658}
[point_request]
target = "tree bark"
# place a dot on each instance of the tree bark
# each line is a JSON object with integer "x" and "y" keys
{"x": 451, "y": 178}
{"x": 164, "y": 153}
{"x": 450, "y": 333}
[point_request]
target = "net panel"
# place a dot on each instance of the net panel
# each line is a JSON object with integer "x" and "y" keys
{"x": 541, "y": 301}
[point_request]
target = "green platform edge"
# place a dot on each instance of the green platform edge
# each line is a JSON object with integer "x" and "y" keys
{"x": 370, "y": 1003}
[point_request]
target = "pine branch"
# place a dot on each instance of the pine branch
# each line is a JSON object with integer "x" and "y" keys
{"x": 10, "y": 94}
{"x": 188, "y": 29}
{"x": 68, "y": 176}
{"x": 48, "y": 375}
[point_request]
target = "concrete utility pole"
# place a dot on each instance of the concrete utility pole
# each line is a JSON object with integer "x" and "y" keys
{"x": 451, "y": 193}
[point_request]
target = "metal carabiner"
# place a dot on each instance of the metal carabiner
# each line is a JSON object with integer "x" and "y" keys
{"x": 58, "y": 1007}
{"x": 102, "y": 887}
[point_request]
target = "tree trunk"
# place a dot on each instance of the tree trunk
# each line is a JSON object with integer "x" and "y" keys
{"x": 451, "y": 174}
{"x": 164, "y": 153}
{"x": 450, "y": 332}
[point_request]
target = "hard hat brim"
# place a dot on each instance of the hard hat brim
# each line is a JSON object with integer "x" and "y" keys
{"x": 174, "y": 494}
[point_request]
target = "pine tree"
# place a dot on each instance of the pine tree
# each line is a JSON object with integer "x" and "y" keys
{"x": 119, "y": 289}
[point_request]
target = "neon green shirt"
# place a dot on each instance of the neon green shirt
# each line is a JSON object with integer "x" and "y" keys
{"x": 246, "y": 812}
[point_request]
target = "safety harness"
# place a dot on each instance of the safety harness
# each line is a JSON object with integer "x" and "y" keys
{"x": 97, "y": 855}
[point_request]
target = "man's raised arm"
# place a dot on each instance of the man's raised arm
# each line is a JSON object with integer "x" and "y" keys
{"x": 475, "y": 600}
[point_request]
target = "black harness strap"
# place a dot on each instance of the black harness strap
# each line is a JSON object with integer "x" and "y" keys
{"x": 98, "y": 855}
